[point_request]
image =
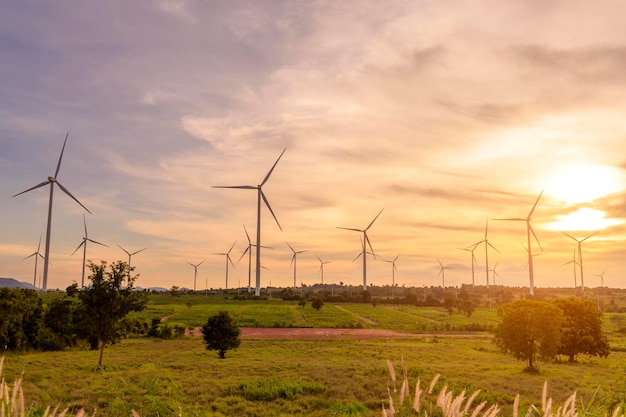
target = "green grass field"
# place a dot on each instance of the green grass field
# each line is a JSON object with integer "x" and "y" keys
{"x": 297, "y": 377}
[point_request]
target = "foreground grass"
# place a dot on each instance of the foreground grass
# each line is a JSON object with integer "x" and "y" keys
{"x": 158, "y": 378}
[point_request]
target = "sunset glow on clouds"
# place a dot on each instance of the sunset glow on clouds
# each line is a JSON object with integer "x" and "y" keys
{"x": 445, "y": 114}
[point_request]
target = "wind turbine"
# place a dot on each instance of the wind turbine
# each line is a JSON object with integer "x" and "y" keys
{"x": 601, "y": 278}
{"x": 36, "y": 254}
{"x": 442, "y": 272}
{"x": 52, "y": 181}
{"x": 249, "y": 252}
{"x": 394, "y": 268}
{"x": 227, "y": 254}
{"x": 195, "y": 272}
{"x": 529, "y": 230}
{"x": 487, "y": 245}
{"x": 366, "y": 241}
{"x": 471, "y": 249}
{"x": 580, "y": 256}
{"x": 495, "y": 273}
{"x": 129, "y": 256}
{"x": 260, "y": 195}
{"x": 575, "y": 262}
{"x": 294, "y": 259}
{"x": 322, "y": 263}
{"x": 84, "y": 245}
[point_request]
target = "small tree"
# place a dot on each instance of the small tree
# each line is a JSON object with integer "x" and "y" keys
{"x": 221, "y": 333}
{"x": 582, "y": 329}
{"x": 464, "y": 303}
{"x": 530, "y": 330}
{"x": 317, "y": 303}
{"x": 104, "y": 304}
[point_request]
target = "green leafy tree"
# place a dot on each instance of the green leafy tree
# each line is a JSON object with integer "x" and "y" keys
{"x": 106, "y": 302}
{"x": 449, "y": 302}
{"x": 582, "y": 329}
{"x": 317, "y": 303}
{"x": 221, "y": 333}
{"x": 59, "y": 324}
{"x": 464, "y": 303}
{"x": 530, "y": 330}
{"x": 21, "y": 316}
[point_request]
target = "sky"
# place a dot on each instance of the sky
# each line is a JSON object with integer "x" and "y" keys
{"x": 446, "y": 115}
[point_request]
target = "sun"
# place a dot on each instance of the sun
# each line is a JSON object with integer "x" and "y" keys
{"x": 585, "y": 183}
{"x": 583, "y": 219}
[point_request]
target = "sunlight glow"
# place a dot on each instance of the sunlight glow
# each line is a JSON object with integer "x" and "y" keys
{"x": 583, "y": 219}
{"x": 581, "y": 184}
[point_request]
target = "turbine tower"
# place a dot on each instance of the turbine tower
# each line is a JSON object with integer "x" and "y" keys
{"x": 487, "y": 245}
{"x": 52, "y": 180}
{"x": 394, "y": 268}
{"x": 529, "y": 230}
{"x": 227, "y": 254}
{"x": 322, "y": 263}
{"x": 36, "y": 254}
{"x": 130, "y": 254}
{"x": 84, "y": 245}
{"x": 442, "y": 272}
{"x": 366, "y": 241}
{"x": 293, "y": 261}
{"x": 575, "y": 262}
{"x": 580, "y": 256}
{"x": 195, "y": 272}
{"x": 471, "y": 249}
{"x": 260, "y": 195}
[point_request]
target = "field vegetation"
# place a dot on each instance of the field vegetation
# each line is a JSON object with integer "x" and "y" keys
{"x": 281, "y": 377}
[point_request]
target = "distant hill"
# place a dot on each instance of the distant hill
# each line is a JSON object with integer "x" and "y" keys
{"x": 12, "y": 283}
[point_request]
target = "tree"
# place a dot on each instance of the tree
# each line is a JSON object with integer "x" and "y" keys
{"x": 221, "y": 333}
{"x": 449, "y": 302}
{"x": 106, "y": 302}
{"x": 317, "y": 303}
{"x": 530, "y": 330}
{"x": 21, "y": 313}
{"x": 464, "y": 303}
{"x": 582, "y": 329}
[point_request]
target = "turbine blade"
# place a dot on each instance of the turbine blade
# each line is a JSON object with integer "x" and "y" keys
{"x": 370, "y": 225}
{"x": 32, "y": 188}
{"x": 247, "y": 235}
{"x": 367, "y": 239}
{"x": 30, "y": 256}
{"x": 494, "y": 248}
{"x": 70, "y": 194}
{"x": 243, "y": 254}
{"x": 78, "y": 247}
{"x": 318, "y": 258}
{"x": 98, "y": 243}
{"x": 440, "y": 264}
{"x": 140, "y": 250}
{"x": 231, "y": 261}
{"x": 231, "y": 248}
{"x": 593, "y": 234}
{"x": 516, "y": 219}
{"x": 201, "y": 262}
{"x": 535, "y": 236}
{"x": 267, "y": 177}
{"x": 570, "y": 236}
{"x": 39, "y": 245}
{"x": 85, "y": 223}
{"x": 292, "y": 249}
{"x": 349, "y": 228}
{"x": 61, "y": 157}
{"x": 128, "y": 253}
{"x": 270, "y": 209}
{"x": 243, "y": 187}
{"x": 357, "y": 257}
{"x": 535, "y": 205}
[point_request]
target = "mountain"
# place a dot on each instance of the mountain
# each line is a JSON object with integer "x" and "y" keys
{"x": 12, "y": 283}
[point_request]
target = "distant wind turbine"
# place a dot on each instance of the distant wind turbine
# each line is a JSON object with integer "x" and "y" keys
{"x": 130, "y": 254}
{"x": 601, "y": 278}
{"x": 195, "y": 272}
{"x": 365, "y": 242}
{"x": 84, "y": 245}
{"x": 52, "y": 181}
{"x": 442, "y": 272}
{"x": 394, "y": 268}
{"x": 260, "y": 195}
{"x": 471, "y": 249}
{"x": 495, "y": 273}
{"x": 580, "y": 256}
{"x": 228, "y": 259}
{"x": 575, "y": 262}
{"x": 36, "y": 254}
{"x": 529, "y": 230}
{"x": 487, "y": 245}
{"x": 294, "y": 259}
{"x": 322, "y": 263}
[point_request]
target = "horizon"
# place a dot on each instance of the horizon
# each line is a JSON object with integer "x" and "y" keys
{"x": 438, "y": 115}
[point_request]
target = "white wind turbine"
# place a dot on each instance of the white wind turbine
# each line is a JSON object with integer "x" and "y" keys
{"x": 322, "y": 263}
{"x": 366, "y": 241}
{"x": 601, "y": 278}
{"x": 36, "y": 254}
{"x": 52, "y": 180}
{"x": 394, "y": 268}
{"x": 575, "y": 262}
{"x": 487, "y": 245}
{"x": 529, "y": 230}
{"x": 260, "y": 195}
{"x": 228, "y": 259}
{"x": 84, "y": 245}
{"x": 471, "y": 249}
{"x": 495, "y": 273}
{"x": 580, "y": 256}
{"x": 130, "y": 254}
{"x": 294, "y": 259}
{"x": 442, "y": 272}
{"x": 195, "y": 272}
{"x": 249, "y": 252}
